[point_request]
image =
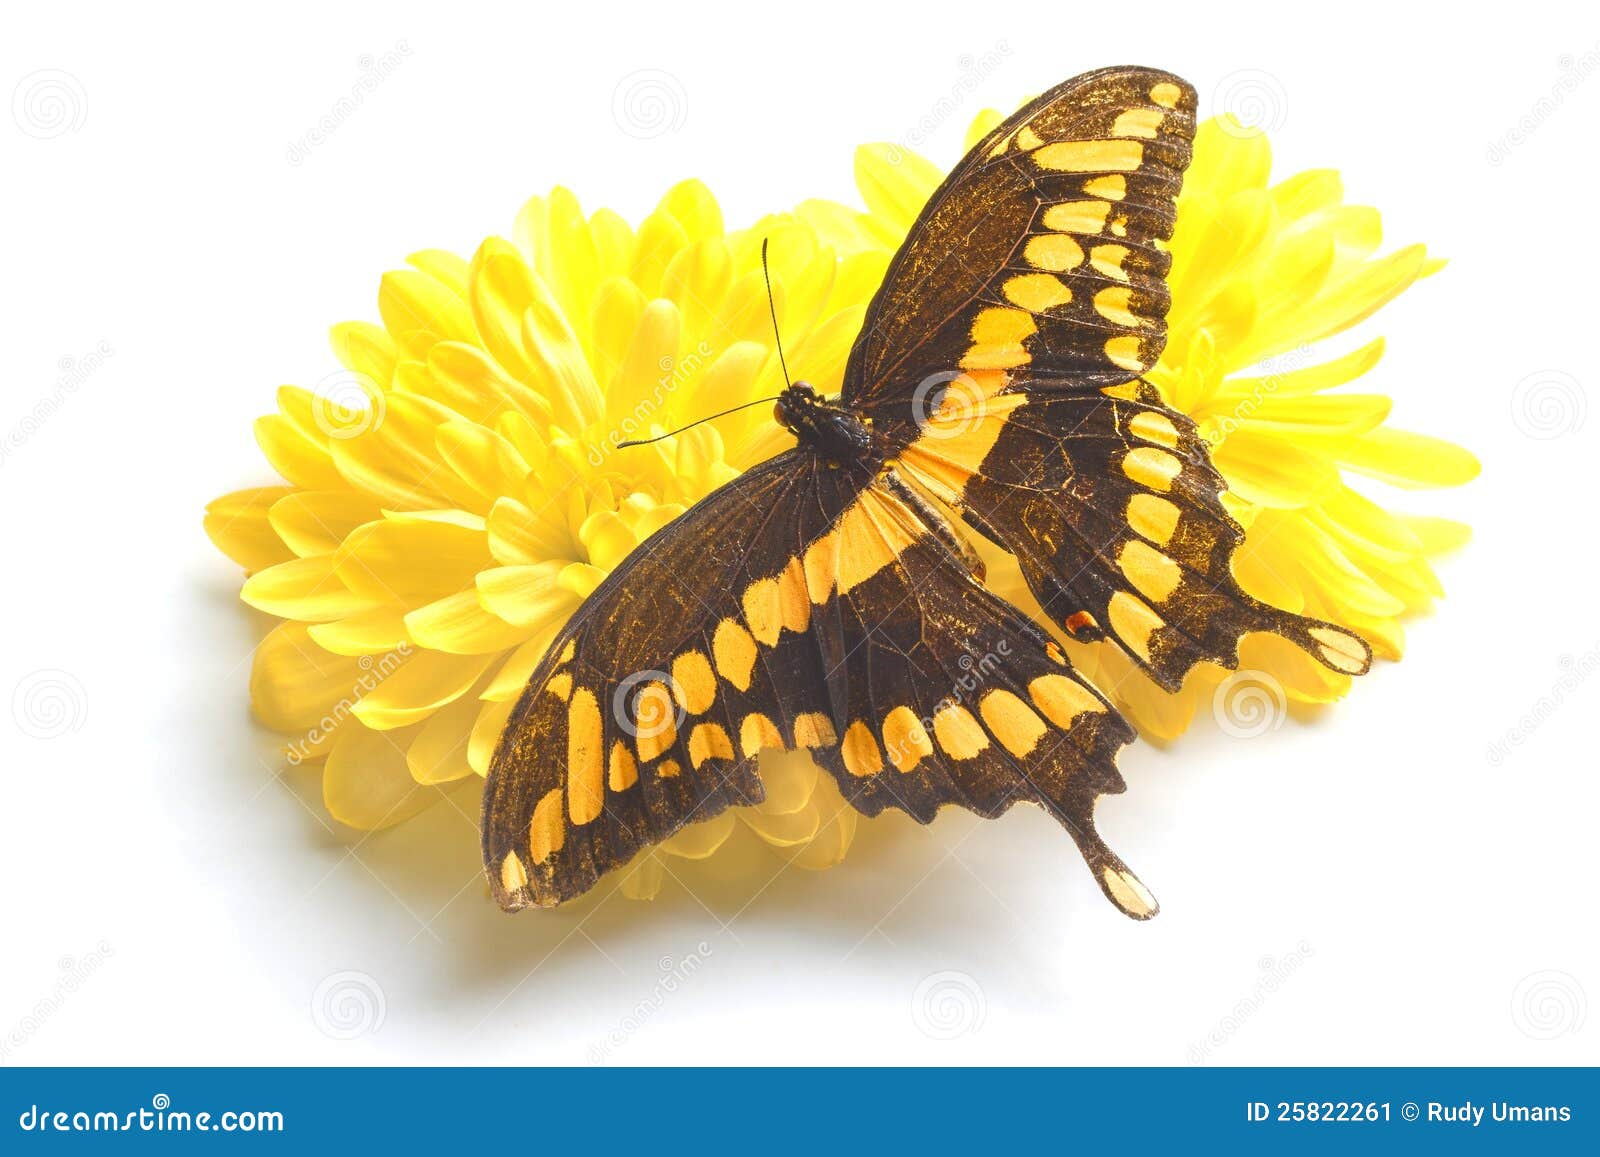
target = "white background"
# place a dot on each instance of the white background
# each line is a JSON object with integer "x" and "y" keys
{"x": 1416, "y": 884}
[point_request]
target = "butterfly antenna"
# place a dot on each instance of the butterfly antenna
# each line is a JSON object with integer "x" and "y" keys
{"x": 773, "y": 310}
{"x": 696, "y": 422}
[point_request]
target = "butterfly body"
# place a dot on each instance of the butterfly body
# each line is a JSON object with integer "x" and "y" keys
{"x": 832, "y": 431}
{"x": 827, "y": 599}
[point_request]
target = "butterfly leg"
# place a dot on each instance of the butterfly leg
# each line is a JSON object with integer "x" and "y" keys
{"x": 943, "y": 529}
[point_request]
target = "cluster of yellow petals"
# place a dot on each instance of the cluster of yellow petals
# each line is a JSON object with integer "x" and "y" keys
{"x": 456, "y": 491}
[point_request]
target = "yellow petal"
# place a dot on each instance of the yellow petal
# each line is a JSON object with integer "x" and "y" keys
{"x": 369, "y": 633}
{"x": 526, "y": 596}
{"x": 411, "y": 561}
{"x": 239, "y": 525}
{"x": 486, "y": 734}
{"x": 460, "y": 625}
{"x": 1437, "y": 535}
{"x": 425, "y": 682}
{"x": 1273, "y": 471}
{"x": 1412, "y": 461}
{"x": 697, "y": 841}
{"x": 419, "y": 310}
{"x": 307, "y": 589}
{"x": 511, "y": 679}
{"x": 365, "y": 349}
{"x": 317, "y": 521}
{"x": 438, "y": 753}
{"x": 294, "y": 683}
{"x": 895, "y": 183}
{"x": 367, "y": 783}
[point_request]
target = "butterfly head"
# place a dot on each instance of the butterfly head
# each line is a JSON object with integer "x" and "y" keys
{"x": 836, "y": 433}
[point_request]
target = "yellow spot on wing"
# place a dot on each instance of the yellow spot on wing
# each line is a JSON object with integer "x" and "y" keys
{"x": 761, "y": 610}
{"x": 1037, "y": 291}
{"x": 1123, "y": 352}
{"x": 813, "y": 729}
{"x": 1137, "y": 122}
{"x": 905, "y": 739}
{"x": 822, "y": 567}
{"x": 569, "y": 650}
{"x": 512, "y": 874}
{"x": 622, "y": 772}
{"x": 654, "y": 720}
{"x": 1055, "y": 252}
{"x": 693, "y": 683}
{"x": 1154, "y": 427}
{"x": 1014, "y": 723}
{"x": 958, "y": 732}
{"x": 1000, "y": 325}
{"x": 995, "y": 357}
{"x": 1091, "y": 156}
{"x": 547, "y": 831}
{"x": 560, "y": 685}
{"x": 1153, "y": 516}
{"x": 1151, "y": 468}
{"x": 709, "y": 741}
{"x": 585, "y": 757}
{"x": 668, "y": 769}
{"x": 1112, "y": 303}
{"x": 1148, "y": 571}
{"x": 1128, "y": 893}
{"x": 1108, "y": 260}
{"x": 1134, "y": 622}
{"x": 756, "y": 732}
{"x": 1113, "y": 187}
{"x": 1077, "y": 216}
{"x": 1061, "y": 699}
{"x": 1027, "y": 138}
{"x": 861, "y": 755}
{"x": 1166, "y": 94}
{"x": 1341, "y": 651}
{"x": 735, "y": 653}
{"x": 793, "y": 604}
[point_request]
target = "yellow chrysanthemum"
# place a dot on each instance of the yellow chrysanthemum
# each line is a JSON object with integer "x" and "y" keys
{"x": 456, "y": 491}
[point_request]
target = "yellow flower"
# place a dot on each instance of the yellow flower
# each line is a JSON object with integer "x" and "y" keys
{"x": 455, "y": 491}
{"x": 1260, "y": 272}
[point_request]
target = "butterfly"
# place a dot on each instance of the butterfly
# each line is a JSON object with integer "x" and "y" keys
{"x": 830, "y": 598}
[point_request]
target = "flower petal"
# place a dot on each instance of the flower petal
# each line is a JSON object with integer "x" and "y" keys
{"x": 239, "y": 525}
{"x": 307, "y": 589}
{"x": 425, "y": 682}
{"x": 367, "y": 783}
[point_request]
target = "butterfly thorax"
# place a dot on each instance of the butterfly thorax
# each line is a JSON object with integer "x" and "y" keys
{"x": 834, "y": 432}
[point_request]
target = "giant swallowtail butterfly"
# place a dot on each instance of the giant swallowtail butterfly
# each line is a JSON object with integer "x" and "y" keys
{"x": 827, "y": 598}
